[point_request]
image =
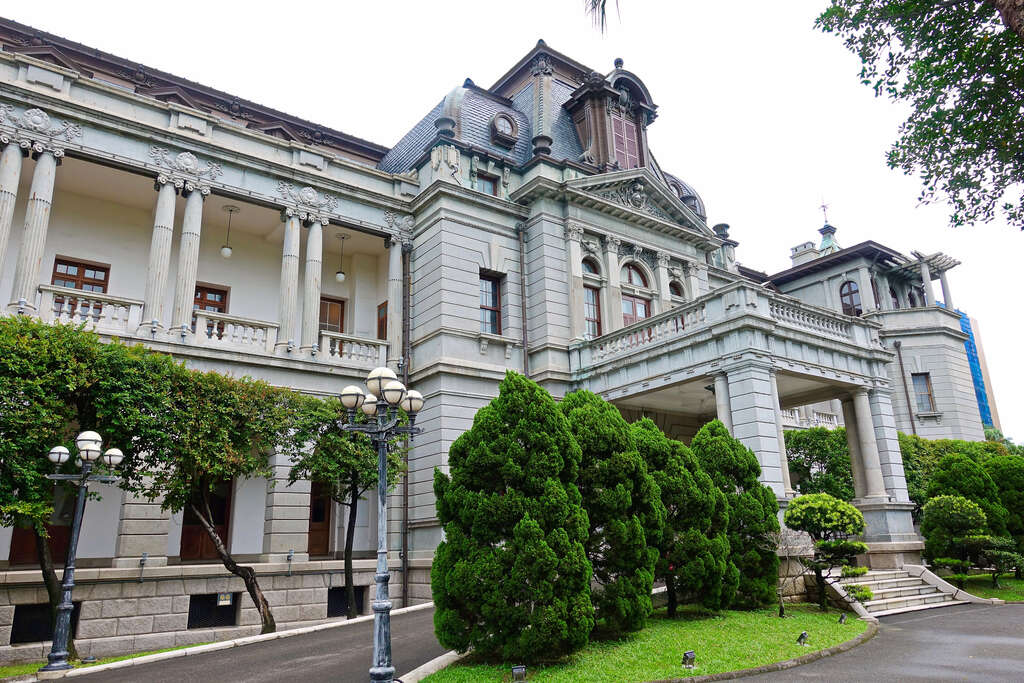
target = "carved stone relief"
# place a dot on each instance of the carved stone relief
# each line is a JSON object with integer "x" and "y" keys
{"x": 185, "y": 170}
{"x": 308, "y": 204}
{"x": 35, "y": 130}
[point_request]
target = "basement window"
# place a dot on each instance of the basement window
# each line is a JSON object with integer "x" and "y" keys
{"x": 337, "y": 601}
{"x": 213, "y": 609}
{"x": 32, "y": 623}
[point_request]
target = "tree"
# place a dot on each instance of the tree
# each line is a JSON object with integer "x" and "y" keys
{"x": 209, "y": 430}
{"x": 921, "y": 457}
{"x": 598, "y": 11}
{"x": 959, "y": 65}
{"x": 693, "y": 551}
{"x": 830, "y": 523}
{"x": 344, "y": 462}
{"x": 753, "y": 510}
{"x": 819, "y": 461}
{"x": 952, "y": 527}
{"x": 994, "y": 435}
{"x": 959, "y": 475}
{"x": 624, "y": 510}
{"x": 511, "y": 579}
{"x": 1007, "y": 473}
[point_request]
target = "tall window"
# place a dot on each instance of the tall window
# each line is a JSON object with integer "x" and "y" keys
{"x": 332, "y": 314}
{"x": 923, "y": 392}
{"x": 849, "y": 297}
{"x": 490, "y": 304}
{"x": 487, "y": 184}
{"x": 78, "y": 275}
{"x": 634, "y": 309}
{"x": 624, "y": 134}
{"x": 632, "y": 275}
{"x": 592, "y": 311}
{"x": 589, "y": 267}
{"x": 382, "y": 321}
{"x": 895, "y": 299}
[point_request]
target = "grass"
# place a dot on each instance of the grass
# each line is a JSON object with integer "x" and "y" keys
{"x": 1009, "y": 587}
{"x": 726, "y": 641}
{"x": 28, "y": 668}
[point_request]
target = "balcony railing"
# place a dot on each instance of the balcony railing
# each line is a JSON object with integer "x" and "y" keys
{"x": 796, "y": 314}
{"x": 232, "y": 333}
{"x": 103, "y": 313}
{"x": 347, "y": 350}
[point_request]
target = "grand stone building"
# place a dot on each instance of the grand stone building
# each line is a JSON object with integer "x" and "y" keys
{"x": 524, "y": 226}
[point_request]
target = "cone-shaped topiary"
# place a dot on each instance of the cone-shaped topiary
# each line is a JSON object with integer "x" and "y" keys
{"x": 753, "y": 511}
{"x": 511, "y": 579}
{"x": 624, "y": 507}
{"x": 959, "y": 475}
{"x": 693, "y": 557}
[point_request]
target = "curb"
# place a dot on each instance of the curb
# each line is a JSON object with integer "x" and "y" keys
{"x": 786, "y": 664}
{"x": 223, "y": 645}
{"x": 432, "y": 667}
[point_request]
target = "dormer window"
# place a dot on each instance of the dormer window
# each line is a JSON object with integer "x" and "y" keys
{"x": 624, "y": 134}
{"x": 504, "y": 130}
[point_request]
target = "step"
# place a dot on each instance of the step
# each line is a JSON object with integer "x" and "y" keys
{"x": 915, "y": 608}
{"x": 904, "y": 591}
{"x": 886, "y": 604}
{"x": 889, "y": 583}
{"x": 876, "y": 576}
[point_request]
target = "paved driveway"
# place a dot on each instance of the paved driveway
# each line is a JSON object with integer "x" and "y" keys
{"x": 964, "y": 643}
{"x": 337, "y": 654}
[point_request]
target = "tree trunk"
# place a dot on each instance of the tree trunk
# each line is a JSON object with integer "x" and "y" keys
{"x": 822, "y": 595}
{"x": 53, "y": 587}
{"x": 350, "y": 532}
{"x": 670, "y": 592}
{"x": 782, "y": 605}
{"x": 245, "y": 573}
{"x": 1012, "y": 14}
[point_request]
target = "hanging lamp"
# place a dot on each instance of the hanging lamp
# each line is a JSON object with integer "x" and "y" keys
{"x": 226, "y": 251}
{"x": 340, "y": 275}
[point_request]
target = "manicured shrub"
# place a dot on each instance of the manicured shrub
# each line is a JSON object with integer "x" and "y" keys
{"x": 1007, "y": 472}
{"x": 511, "y": 579}
{"x": 819, "y": 461}
{"x": 693, "y": 551}
{"x": 830, "y": 523}
{"x": 1002, "y": 562}
{"x": 945, "y": 521}
{"x": 960, "y": 475}
{"x": 625, "y": 511}
{"x": 753, "y": 511}
{"x": 922, "y": 456}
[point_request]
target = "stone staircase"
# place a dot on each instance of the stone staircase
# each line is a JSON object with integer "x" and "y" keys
{"x": 895, "y": 591}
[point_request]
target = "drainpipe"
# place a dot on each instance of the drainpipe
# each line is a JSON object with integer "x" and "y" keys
{"x": 406, "y": 361}
{"x": 521, "y": 232}
{"x": 906, "y": 391}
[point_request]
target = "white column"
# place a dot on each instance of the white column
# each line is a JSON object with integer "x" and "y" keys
{"x": 926, "y": 280}
{"x": 875, "y": 486}
{"x": 10, "y": 176}
{"x": 394, "y": 304}
{"x": 188, "y": 260}
{"x": 722, "y": 405}
{"x": 783, "y": 454}
{"x": 288, "y": 308}
{"x": 159, "y": 257}
{"x": 613, "y": 312}
{"x": 574, "y": 237}
{"x": 37, "y": 222}
{"x": 867, "y": 292}
{"x": 311, "y": 288}
{"x": 853, "y": 444}
{"x": 947, "y": 298}
{"x": 663, "y": 282}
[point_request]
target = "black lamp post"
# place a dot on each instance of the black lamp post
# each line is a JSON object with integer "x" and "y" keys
{"x": 387, "y": 394}
{"x": 89, "y": 444}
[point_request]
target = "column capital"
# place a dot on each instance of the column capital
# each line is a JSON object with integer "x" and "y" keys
{"x": 612, "y": 243}
{"x": 36, "y": 132}
{"x": 309, "y": 204}
{"x": 574, "y": 232}
{"x": 663, "y": 258}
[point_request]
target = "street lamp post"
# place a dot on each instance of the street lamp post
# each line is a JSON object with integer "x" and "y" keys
{"x": 386, "y": 395}
{"x": 89, "y": 444}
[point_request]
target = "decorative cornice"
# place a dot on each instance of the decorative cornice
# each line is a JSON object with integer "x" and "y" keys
{"x": 186, "y": 171}
{"x": 309, "y": 205}
{"x": 34, "y": 130}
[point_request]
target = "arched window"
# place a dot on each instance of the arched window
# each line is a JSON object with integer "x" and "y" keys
{"x": 589, "y": 267}
{"x": 632, "y": 275}
{"x": 675, "y": 289}
{"x": 895, "y": 299}
{"x": 849, "y": 297}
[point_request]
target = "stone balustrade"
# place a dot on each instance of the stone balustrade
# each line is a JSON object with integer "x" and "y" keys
{"x": 112, "y": 315}
{"x": 343, "y": 349}
{"x": 793, "y": 313}
{"x": 230, "y": 332}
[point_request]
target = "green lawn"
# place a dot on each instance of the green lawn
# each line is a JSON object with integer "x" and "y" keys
{"x": 13, "y": 670}
{"x": 723, "y": 642}
{"x": 981, "y": 585}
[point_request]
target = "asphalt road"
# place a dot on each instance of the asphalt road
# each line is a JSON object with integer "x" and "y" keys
{"x": 965, "y": 643}
{"x": 337, "y": 655}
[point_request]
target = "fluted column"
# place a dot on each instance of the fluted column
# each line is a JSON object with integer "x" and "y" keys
{"x": 288, "y": 308}
{"x": 10, "y": 176}
{"x": 722, "y": 404}
{"x": 394, "y": 303}
{"x": 874, "y": 485}
{"x": 574, "y": 247}
{"x": 311, "y": 288}
{"x": 159, "y": 256}
{"x": 188, "y": 260}
{"x": 37, "y": 222}
{"x": 613, "y": 316}
{"x": 783, "y": 453}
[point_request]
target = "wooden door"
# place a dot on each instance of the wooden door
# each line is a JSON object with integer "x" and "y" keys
{"x": 319, "y": 520}
{"x": 195, "y": 542}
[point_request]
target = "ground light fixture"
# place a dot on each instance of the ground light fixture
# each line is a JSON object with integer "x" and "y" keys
{"x": 519, "y": 672}
{"x": 689, "y": 659}
{"x": 842, "y": 618}
{"x": 802, "y": 639}
{"x": 230, "y": 210}
{"x": 381, "y": 405}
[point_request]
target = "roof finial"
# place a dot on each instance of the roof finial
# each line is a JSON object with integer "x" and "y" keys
{"x": 618, "y": 62}
{"x": 824, "y": 210}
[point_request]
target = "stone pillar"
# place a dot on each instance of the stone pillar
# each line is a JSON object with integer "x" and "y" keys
{"x": 143, "y": 529}
{"x": 394, "y": 304}
{"x": 722, "y": 400}
{"x": 288, "y": 308}
{"x": 887, "y": 438}
{"x": 311, "y": 288}
{"x": 286, "y": 522}
{"x": 753, "y": 418}
{"x": 874, "y": 485}
{"x": 574, "y": 239}
{"x": 10, "y": 177}
{"x": 853, "y": 443}
{"x": 159, "y": 256}
{"x": 926, "y": 280}
{"x": 37, "y": 222}
{"x": 188, "y": 259}
{"x": 783, "y": 455}
{"x": 947, "y": 298}
{"x": 884, "y": 298}
{"x": 867, "y": 293}
{"x": 613, "y": 314}
{"x": 692, "y": 273}
{"x": 664, "y": 294}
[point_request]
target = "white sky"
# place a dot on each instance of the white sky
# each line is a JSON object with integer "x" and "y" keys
{"x": 761, "y": 113}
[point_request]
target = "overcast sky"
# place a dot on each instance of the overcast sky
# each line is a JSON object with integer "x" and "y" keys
{"x": 761, "y": 113}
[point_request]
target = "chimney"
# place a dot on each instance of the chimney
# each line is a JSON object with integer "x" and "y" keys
{"x": 802, "y": 253}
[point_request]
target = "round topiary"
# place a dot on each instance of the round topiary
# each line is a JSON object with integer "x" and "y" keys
{"x": 944, "y": 520}
{"x": 960, "y": 475}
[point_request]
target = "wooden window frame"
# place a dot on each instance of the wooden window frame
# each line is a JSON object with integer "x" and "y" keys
{"x": 930, "y": 395}
{"x": 628, "y": 124}
{"x": 79, "y": 280}
{"x": 847, "y": 290}
{"x": 632, "y": 267}
{"x": 597, "y": 310}
{"x": 496, "y": 281}
{"x": 332, "y": 300}
{"x": 210, "y": 287}
{"x": 635, "y": 299}
{"x": 493, "y": 179}
{"x": 382, "y": 319}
